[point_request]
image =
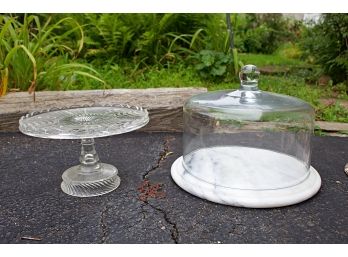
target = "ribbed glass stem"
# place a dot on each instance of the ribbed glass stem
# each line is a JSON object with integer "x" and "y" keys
{"x": 89, "y": 158}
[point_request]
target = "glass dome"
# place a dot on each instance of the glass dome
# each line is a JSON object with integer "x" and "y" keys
{"x": 248, "y": 141}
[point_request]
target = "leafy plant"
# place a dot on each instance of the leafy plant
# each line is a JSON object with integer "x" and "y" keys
{"x": 31, "y": 52}
{"x": 212, "y": 64}
{"x": 263, "y": 33}
{"x": 256, "y": 40}
{"x": 142, "y": 38}
{"x": 289, "y": 50}
{"x": 326, "y": 43}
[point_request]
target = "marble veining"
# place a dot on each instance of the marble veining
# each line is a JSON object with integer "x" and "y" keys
{"x": 245, "y": 167}
{"x": 208, "y": 174}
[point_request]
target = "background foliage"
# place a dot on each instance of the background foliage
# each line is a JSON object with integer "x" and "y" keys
{"x": 91, "y": 51}
{"x": 326, "y": 44}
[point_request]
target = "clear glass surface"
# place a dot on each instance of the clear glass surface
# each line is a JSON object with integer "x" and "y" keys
{"x": 247, "y": 138}
{"x": 83, "y": 121}
{"x": 90, "y": 177}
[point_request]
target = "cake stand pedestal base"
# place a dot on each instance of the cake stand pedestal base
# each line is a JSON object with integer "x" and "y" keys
{"x": 81, "y": 184}
{"x": 91, "y": 177}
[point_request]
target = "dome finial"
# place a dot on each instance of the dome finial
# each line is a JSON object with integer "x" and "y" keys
{"x": 249, "y": 77}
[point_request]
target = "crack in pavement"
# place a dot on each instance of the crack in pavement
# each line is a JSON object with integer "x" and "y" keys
{"x": 174, "y": 230}
{"x": 103, "y": 223}
{"x": 162, "y": 156}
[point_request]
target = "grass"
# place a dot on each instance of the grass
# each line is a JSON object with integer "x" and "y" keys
{"x": 339, "y": 90}
{"x": 287, "y": 85}
{"x": 270, "y": 60}
{"x": 332, "y": 113}
{"x": 129, "y": 77}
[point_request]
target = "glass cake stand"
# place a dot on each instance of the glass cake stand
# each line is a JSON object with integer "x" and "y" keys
{"x": 90, "y": 177}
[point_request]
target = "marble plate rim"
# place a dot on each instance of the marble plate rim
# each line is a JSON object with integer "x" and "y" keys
{"x": 246, "y": 198}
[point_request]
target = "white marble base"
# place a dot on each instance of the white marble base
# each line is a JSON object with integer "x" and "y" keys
{"x": 250, "y": 198}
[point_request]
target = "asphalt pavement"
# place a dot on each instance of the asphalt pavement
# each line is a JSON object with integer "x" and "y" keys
{"x": 149, "y": 207}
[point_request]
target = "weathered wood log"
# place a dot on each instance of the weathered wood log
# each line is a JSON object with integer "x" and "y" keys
{"x": 164, "y": 104}
{"x": 332, "y": 126}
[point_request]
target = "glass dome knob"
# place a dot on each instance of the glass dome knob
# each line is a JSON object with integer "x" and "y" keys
{"x": 249, "y": 77}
